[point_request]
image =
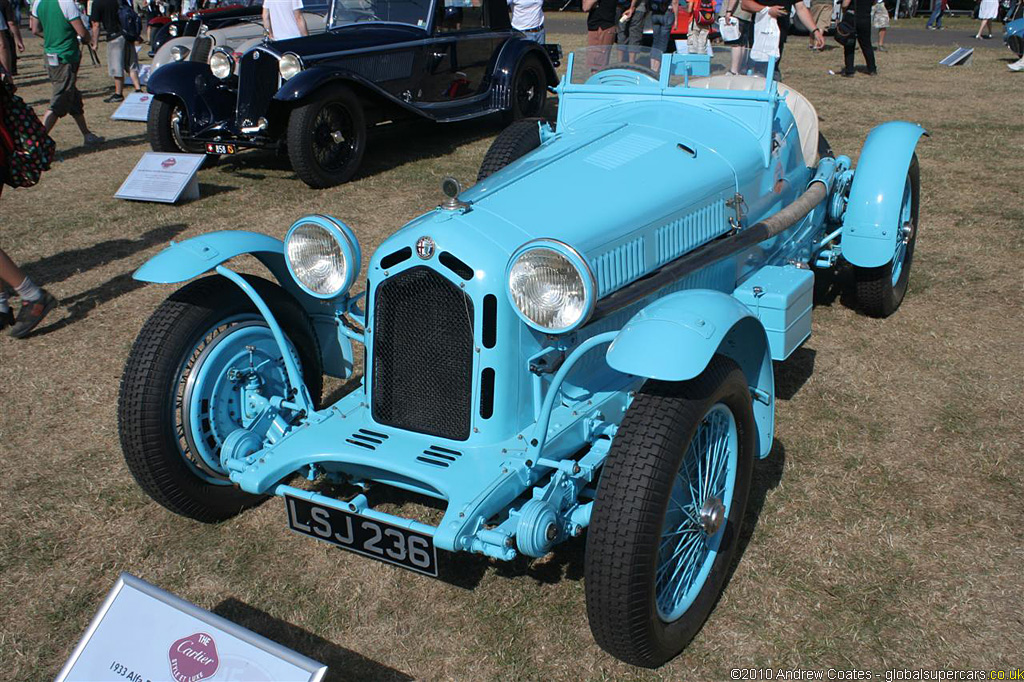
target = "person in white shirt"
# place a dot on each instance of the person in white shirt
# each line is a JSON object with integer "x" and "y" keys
{"x": 283, "y": 19}
{"x": 528, "y": 17}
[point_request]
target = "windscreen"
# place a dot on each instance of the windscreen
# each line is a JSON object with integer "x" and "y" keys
{"x": 414, "y": 12}
{"x": 722, "y": 68}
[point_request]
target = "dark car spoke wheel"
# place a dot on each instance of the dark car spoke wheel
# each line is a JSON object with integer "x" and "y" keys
{"x": 529, "y": 90}
{"x": 327, "y": 137}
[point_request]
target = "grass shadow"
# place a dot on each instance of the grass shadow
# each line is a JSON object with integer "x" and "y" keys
{"x": 65, "y": 264}
{"x": 793, "y": 373}
{"x": 342, "y": 663}
{"x": 116, "y": 143}
{"x": 80, "y": 305}
{"x": 766, "y": 477}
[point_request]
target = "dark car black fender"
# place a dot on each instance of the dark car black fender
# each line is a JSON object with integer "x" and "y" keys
{"x": 309, "y": 81}
{"x": 513, "y": 52}
{"x": 206, "y": 99}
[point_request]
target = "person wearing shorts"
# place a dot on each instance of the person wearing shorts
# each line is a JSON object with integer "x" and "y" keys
{"x": 880, "y": 21}
{"x": 59, "y": 24}
{"x": 121, "y": 55}
{"x": 741, "y": 47}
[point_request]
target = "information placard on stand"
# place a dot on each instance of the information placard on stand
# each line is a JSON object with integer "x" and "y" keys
{"x": 144, "y": 633}
{"x": 135, "y": 107}
{"x": 164, "y": 178}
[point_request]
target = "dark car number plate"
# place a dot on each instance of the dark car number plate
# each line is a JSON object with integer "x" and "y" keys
{"x": 393, "y": 544}
{"x": 215, "y": 148}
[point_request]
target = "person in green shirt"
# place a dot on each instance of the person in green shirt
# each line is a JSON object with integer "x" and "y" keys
{"x": 59, "y": 24}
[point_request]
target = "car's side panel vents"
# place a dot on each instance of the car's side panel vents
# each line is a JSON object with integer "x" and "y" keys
{"x": 438, "y": 456}
{"x": 624, "y": 150}
{"x": 620, "y": 266}
{"x": 690, "y": 231}
{"x": 377, "y": 67}
{"x": 365, "y": 438}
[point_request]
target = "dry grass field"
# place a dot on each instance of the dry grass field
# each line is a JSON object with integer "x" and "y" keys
{"x": 885, "y": 529}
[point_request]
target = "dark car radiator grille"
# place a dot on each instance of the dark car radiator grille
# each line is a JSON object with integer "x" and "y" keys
{"x": 201, "y": 49}
{"x": 257, "y": 84}
{"x": 423, "y": 354}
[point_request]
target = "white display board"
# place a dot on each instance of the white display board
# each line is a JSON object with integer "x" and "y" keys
{"x": 961, "y": 56}
{"x": 135, "y": 107}
{"x": 165, "y": 178}
{"x": 144, "y": 634}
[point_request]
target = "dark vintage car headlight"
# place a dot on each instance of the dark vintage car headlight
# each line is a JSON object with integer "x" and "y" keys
{"x": 222, "y": 64}
{"x": 290, "y": 65}
{"x": 322, "y": 255}
{"x": 172, "y": 30}
{"x": 179, "y": 53}
{"x": 551, "y": 286}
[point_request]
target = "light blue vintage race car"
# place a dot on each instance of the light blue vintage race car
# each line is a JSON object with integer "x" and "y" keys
{"x": 544, "y": 363}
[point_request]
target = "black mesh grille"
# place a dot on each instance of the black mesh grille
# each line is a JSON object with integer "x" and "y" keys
{"x": 257, "y": 84}
{"x": 201, "y": 49}
{"x": 423, "y": 354}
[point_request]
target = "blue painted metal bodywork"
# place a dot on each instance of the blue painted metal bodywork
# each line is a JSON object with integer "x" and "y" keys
{"x": 871, "y": 226}
{"x": 671, "y": 182}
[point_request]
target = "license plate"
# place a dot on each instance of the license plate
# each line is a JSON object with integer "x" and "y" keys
{"x": 375, "y": 539}
{"x": 215, "y": 148}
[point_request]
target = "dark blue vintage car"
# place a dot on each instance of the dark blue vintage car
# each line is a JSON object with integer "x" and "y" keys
{"x": 379, "y": 61}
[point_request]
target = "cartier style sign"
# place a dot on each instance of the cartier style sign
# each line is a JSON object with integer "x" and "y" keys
{"x": 165, "y": 178}
{"x": 144, "y": 634}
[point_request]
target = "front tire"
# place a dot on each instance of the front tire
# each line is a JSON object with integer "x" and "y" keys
{"x": 177, "y": 401}
{"x": 668, "y": 511}
{"x": 517, "y": 140}
{"x": 880, "y": 290}
{"x": 327, "y": 138}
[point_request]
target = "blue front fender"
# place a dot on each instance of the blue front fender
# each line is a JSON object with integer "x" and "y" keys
{"x": 182, "y": 261}
{"x": 871, "y": 223}
{"x": 675, "y": 337}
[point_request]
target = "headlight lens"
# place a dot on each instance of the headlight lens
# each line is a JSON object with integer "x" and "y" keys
{"x": 322, "y": 255}
{"x": 179, "y": 53}
{"x": 221, "y": 64}
{"x": 550, "y": 289}
{"x": 290, "y": 65}
{"x": 172, "y": 30}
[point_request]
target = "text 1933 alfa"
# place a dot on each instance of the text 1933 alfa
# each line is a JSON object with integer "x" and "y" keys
{"x": 379, "y": 61}
{"x": 544, "y": 364}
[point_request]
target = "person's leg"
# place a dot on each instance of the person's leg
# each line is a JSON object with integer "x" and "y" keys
{"x": 10, "y": 273}
{"x": 881, "y": 38}
{"x": 864, "y": 39}
{"x": 848, "y": 59}
{"x": 119, "y": 86}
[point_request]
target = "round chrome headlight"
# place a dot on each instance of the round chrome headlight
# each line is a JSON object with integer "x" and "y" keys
{"x": 323, "y": 255}
{"x": 221, "y": 64}
{"x": 551, "y": 286}
{"x": 179, "y": 53}
{"x": 172, "y": 30}
{"x": 290, "y": 65}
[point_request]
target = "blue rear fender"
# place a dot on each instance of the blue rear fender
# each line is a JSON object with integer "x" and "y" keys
{"x": 675, "y": 337}
{"x": 185, "y": 260}
{"x": 871, "y": 222}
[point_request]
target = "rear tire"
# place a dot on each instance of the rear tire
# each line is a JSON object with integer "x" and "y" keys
{"x": 881, "y": 290}
{"x": 529, "y": 90}
{"x": 517, "y": 140}
{"x": 161, "y": 444}
{"x": 653, "y": 569}
{"x": 327, "y": 137}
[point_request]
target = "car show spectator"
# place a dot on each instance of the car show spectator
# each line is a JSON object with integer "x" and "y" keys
{"x": 121, "y": 54}
{"x": 663, "y": 16}
{"x": 702, "y": 17}
{"x": 862, "y": 17}
{"x": 528, "y": 17}
{"x": 35, "y": 301}
{"x": 630, "y": 22}
{"x": 600, "y": 21}
{"x": 745, "y": 23}
{"x": 11, "y": 34}
{"x": 935, "y": 20}
{"x": 821, "y": 12}
{"x": 987, "y": 11}
{"x": 880, "y": 21}
{"x": 283, "y": 19}
{"x": 778, "y": 11}
{"x": 59, "y": 24}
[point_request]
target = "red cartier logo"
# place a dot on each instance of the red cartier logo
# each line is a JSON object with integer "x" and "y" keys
{"x": 144, "y": 98}
{"x": 167, "y": 163}
{"x": 193, "y": 658}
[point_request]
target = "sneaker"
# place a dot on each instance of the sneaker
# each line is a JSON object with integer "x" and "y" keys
{"x": 846, "y": 74}
{"x": 7, "y": 318}
{"x": 31, "y": 314}
{"x": 881, "y": 48}
{"x": 988, "y": 37}
{"x": 92, "y": 140}
{"x": 932, "y": 28}
{"x": 114, "y": 98}
{"x": 872, "y": 72}
{"x": 1017, "y": 65}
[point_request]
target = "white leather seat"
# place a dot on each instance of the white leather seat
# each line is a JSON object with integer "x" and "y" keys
{"x": 804, "y": 113}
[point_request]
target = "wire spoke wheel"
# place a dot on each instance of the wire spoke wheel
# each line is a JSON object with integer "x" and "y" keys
{"x": 327, "y": 137}
{"x": 333, "y": 137}
{"x": 666, "y": 518}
